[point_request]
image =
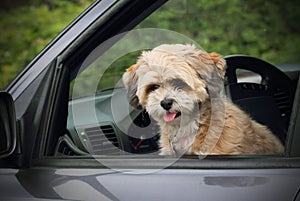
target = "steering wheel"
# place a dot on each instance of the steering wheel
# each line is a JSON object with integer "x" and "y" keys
{"x": 268, "y": 102}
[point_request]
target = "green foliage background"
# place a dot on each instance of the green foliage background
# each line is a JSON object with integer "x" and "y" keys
{"x": 26, "y": 27}
{"x": 268, "y": 29}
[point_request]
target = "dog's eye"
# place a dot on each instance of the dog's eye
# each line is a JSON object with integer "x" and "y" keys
{"x": 180, "y": 84}
{"x": 153, "y": 87}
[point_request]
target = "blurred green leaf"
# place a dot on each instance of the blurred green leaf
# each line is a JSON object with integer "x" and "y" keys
{"x": 26, "y": 28}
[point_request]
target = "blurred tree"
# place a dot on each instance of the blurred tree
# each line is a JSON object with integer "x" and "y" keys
{"x": 265, "y": 29}
{"x": 26, "y": 27}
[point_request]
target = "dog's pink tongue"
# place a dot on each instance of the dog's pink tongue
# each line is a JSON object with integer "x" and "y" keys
{"x": 168, "y": 117}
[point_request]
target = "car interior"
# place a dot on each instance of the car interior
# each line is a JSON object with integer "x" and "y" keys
{"x": 100, "y": 121}
{"x": 104, "y": 136}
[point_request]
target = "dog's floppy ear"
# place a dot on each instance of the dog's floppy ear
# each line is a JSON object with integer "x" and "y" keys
{"x": 130, "y": 80}
{"x": 220, "y": 63}
{"x": 212, "y": 69}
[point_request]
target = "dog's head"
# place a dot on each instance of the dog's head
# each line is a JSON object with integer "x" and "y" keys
{"x": 171, "y": 80}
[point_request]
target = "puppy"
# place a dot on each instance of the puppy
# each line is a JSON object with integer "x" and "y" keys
{"x": 179, "y": 86}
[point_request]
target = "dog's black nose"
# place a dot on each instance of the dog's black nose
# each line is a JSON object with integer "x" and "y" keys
{"x": 166, "y": 103}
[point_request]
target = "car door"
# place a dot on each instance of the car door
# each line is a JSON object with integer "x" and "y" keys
{"x": 78, "y": 138}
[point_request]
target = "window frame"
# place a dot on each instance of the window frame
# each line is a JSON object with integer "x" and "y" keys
{"x": 72, "y": 58}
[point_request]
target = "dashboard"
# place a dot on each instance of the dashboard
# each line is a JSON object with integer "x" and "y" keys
{"x": 105, "y": 124}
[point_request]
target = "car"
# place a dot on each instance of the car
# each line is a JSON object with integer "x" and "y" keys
{"x": 69, "y": 133}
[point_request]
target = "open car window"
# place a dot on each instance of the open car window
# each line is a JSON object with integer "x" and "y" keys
{"x": 100, "y": 119}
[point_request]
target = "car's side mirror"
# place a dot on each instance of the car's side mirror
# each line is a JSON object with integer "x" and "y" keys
{"x": 8, "y": 125}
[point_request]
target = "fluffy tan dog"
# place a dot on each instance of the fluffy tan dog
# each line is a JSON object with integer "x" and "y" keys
{"x": 179, "y": 86}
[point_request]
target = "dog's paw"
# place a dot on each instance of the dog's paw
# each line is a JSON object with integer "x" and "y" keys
{"x": 166, "y": 151}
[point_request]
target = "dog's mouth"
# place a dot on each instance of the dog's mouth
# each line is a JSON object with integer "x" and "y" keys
{"x": 170, "y": 116}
